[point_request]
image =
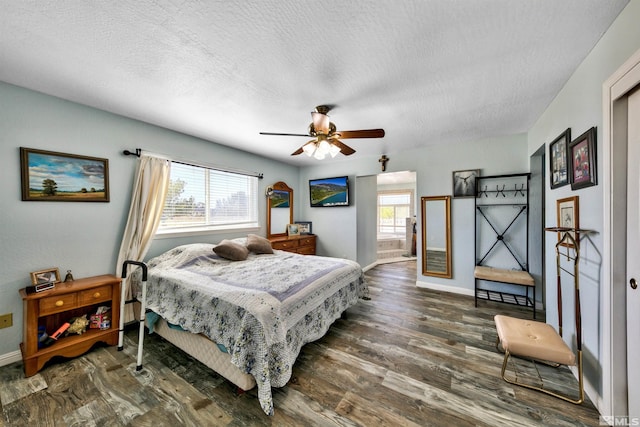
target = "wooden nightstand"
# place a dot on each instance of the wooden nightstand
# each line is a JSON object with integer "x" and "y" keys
{"x": 303, "y": 244}
{"x": 52, "y": 308}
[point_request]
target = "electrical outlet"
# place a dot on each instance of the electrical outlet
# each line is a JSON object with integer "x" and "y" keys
{"x": 6, "y": 320}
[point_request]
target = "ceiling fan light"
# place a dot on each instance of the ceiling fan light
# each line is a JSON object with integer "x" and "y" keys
{"x": 334, "y": 150}
{"x": 324, "y": 147}
{"x": 319, "y": 155}
{"x": 309, "y": 149}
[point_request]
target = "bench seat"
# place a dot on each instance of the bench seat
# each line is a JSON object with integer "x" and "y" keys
{"x": 516, "y": 277}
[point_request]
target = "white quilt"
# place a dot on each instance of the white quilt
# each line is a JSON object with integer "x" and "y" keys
{"x": 263, "y": 309}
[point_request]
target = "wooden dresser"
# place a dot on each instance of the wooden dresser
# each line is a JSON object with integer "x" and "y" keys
{"x": 50, "y": 309}
{"x": 303, "y": 244}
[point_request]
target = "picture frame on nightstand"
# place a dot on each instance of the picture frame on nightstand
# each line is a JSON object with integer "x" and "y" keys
{"x": 42, "y": 277}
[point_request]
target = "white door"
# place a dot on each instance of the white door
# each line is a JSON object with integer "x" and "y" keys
{"x": 633, "y": 256}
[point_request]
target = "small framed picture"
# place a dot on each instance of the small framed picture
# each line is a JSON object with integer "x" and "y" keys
{"x": 51, "y": 275}
{"x": 304, "y": 227}
{"x": 558, "y": 159}
{"x": 293, "y": 229}
{"x": 568, "y": 217}
{"x": 582, "y": 164}
{"x": 464, "y": 183}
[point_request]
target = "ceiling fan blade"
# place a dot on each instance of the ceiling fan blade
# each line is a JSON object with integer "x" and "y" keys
{"x": 365, "y": 133}
{"x": 298, "y": 151}
{"x": 344, "y": 148}
{"x": 285, "y": 134}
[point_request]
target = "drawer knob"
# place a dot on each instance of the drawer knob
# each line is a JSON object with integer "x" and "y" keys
{"x": 96, "y": 295}
{"x": 59, "y": 303}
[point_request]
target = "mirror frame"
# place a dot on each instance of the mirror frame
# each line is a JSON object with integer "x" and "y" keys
{"x": 447, "y": 214}
{"x": 279, "y": 186}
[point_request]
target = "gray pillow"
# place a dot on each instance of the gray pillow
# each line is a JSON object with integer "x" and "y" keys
{"x": 258, "y": 244}
{"x": 231, "y": 250}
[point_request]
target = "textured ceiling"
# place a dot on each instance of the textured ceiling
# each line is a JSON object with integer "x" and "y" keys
{"x": 428, "y": 72}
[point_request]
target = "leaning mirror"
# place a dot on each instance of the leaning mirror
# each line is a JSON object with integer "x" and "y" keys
{"x": 436, "y": 236}
{"x": 279, "y": 209}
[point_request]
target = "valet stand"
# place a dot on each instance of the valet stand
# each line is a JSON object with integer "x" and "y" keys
{"x": 539, "y": 341}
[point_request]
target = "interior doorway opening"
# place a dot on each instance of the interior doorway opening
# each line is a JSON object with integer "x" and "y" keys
{"x": 396, "y": 216}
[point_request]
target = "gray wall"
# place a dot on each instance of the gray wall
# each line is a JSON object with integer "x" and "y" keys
{"x": 85, "y": 237}
{"x": 336, "y": 228}
{"x": 579, "y": 106}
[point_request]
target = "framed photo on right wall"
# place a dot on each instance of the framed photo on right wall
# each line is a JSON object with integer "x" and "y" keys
{"x": 568, "y": 211}
{"x": 582, "y": 160}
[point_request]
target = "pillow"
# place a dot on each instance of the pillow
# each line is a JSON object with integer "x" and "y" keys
{"x": 231, "y": 250}
{"x": 258, "y": 244}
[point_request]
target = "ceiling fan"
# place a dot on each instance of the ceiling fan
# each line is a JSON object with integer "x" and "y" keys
{"x": 326, "y": 139}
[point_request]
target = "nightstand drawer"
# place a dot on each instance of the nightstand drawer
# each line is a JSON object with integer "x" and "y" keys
{"x": 285, "y": 244}
{"x": 58, "y": 304}
{"x": 96, "y": 295}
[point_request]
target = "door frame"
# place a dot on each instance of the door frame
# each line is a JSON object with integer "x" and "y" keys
{"x": 613, "y": 291}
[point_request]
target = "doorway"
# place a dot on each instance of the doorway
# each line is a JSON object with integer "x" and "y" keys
{"x": 620, "y": 389}
{"x": 396, "y": 216}
{"x": 536, "y": 223}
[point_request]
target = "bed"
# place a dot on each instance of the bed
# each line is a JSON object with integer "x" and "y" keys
{"x": 248, "y": 319}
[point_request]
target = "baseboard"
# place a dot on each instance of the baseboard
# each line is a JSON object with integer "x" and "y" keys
{"x": 444, "y": 288}
{"x": 589, "y": 390}
{"x": 9, "y": 358}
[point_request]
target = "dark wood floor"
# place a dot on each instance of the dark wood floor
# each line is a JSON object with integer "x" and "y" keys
{"x": 407, "y": 357}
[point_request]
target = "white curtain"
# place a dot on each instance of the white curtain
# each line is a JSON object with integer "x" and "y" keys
{"x": 147, "y": 203}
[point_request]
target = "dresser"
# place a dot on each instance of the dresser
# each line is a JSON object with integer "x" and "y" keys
{"x": 303, "y": 244}
{"x": 50, "y": 309}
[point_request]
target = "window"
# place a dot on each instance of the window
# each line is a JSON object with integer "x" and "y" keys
{"x": 204, "y": 199}
{"x": 393, "y": 209}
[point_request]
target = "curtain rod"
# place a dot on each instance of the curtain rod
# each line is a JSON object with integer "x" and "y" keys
{"x": 138, "y": 153}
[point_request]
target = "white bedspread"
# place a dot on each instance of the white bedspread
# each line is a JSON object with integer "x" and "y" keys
{"x": 263, "y": 309}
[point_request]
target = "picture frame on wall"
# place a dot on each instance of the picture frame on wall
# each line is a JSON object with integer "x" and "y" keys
{"x": 568, "y": 216}
{"x": 582, "y": 160}
{"x": 464, "y": 183}
{"x": 558, "y": 150}
{"x": 49, "y": 176}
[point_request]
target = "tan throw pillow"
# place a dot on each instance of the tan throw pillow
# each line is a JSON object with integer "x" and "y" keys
{"x": 231, "y": 250}
{"x": 258, "y": 244}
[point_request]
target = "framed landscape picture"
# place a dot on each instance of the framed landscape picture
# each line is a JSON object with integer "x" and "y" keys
{"x": 51, "y": 176}
{"x": 558, "y": 159}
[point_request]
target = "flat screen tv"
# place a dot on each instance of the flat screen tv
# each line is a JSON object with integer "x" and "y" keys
{"x": 329, "y": 192}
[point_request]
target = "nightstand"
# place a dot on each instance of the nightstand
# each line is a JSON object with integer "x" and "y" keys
{"x": 52, "y": 308}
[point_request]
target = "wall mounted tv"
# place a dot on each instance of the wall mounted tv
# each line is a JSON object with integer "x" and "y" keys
{"x": 329, "y": 192}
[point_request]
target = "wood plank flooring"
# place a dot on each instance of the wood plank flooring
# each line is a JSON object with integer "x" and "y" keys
{"x": 407, "y": 357}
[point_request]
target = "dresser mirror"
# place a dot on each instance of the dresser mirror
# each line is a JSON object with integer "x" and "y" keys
{"x": 279, "y": 209}
{"x": 436, "y": 236}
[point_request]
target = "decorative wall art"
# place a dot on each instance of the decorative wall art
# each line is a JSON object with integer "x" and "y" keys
{"x": 50, "y": 176}
{"x": 568, "y": 216}
{"x": 582, "y": 160}
{"x": 464, "y": 183}
{"x": 558, "y": 159}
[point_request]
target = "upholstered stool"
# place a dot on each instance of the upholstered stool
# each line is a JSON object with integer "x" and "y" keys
{"x": 537, "y": 341}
